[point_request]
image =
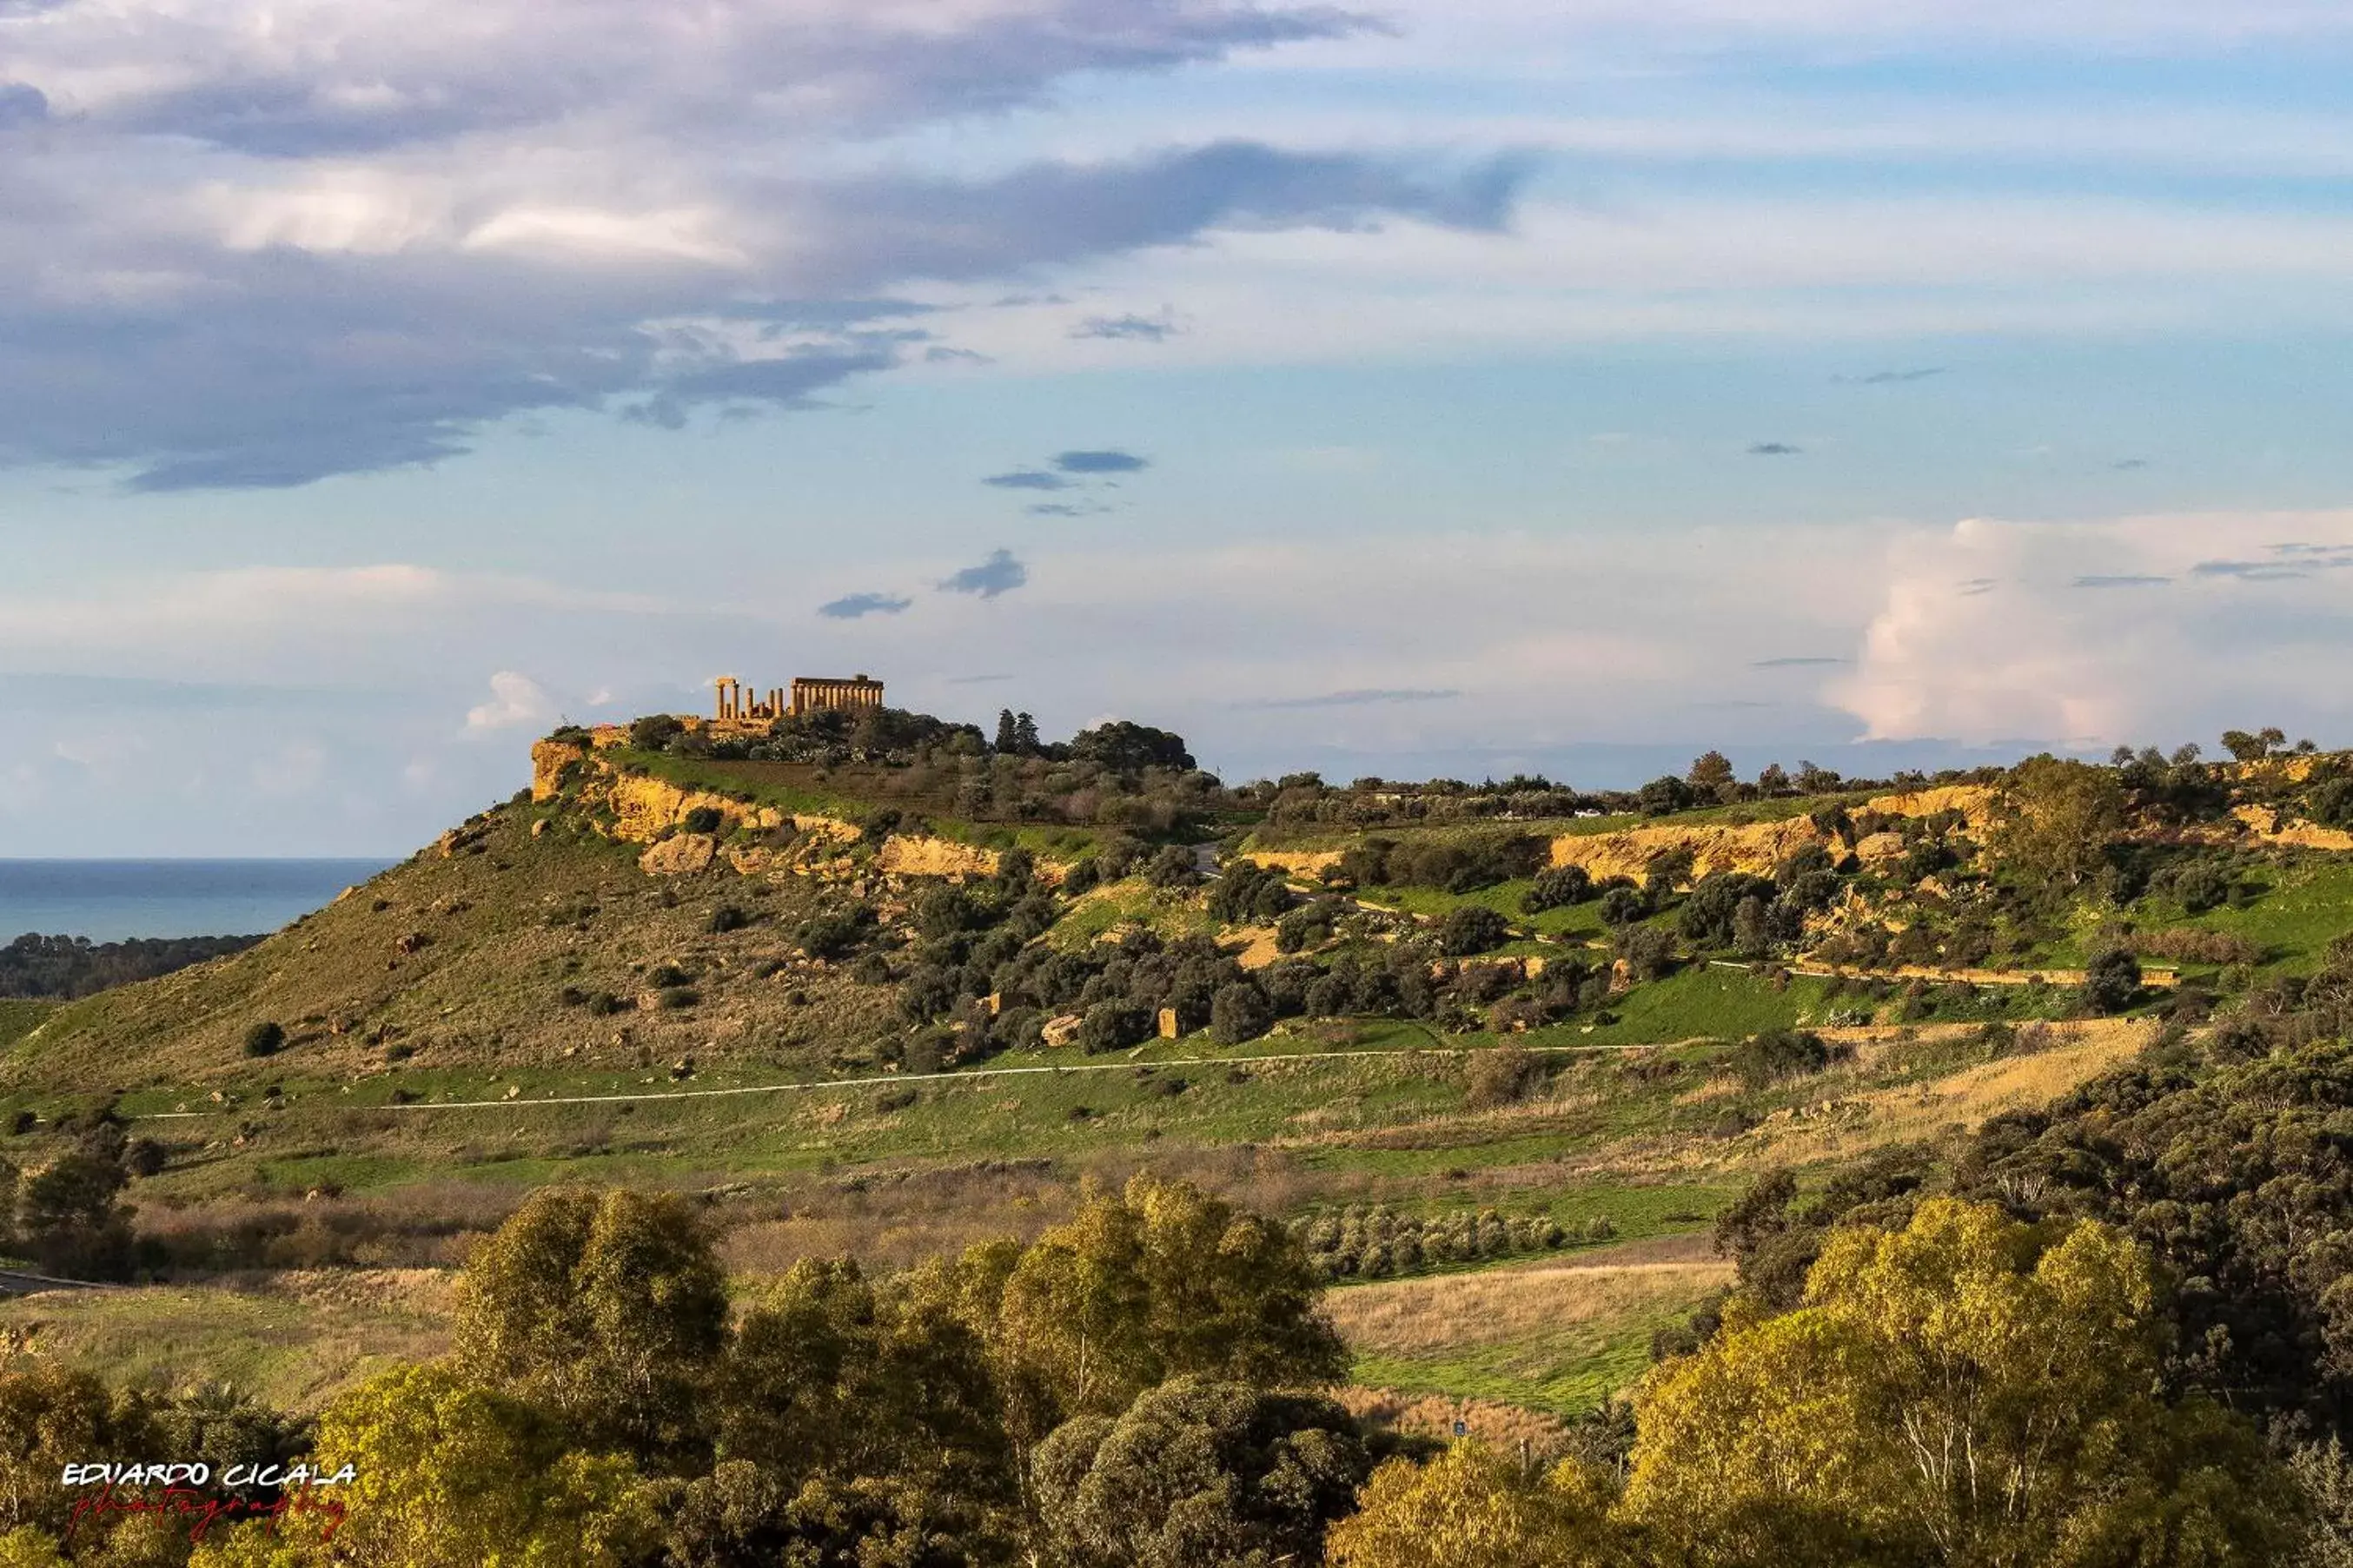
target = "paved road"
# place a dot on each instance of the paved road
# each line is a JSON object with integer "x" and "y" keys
{"x": 17, "y": 1282}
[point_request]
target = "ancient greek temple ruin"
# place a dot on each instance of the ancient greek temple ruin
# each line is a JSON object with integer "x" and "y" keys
{"x": 739, "y": 704}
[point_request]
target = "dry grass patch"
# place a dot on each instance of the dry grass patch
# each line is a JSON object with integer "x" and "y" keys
{"x": 1966, "y": 1098}
{"x": 1501, "y": 1306}
{"x": 292, "y": 1341}
{"x": 1557, "y": 1338}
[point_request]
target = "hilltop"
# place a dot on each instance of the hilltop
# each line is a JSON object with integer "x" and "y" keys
{"x": 882, "y": 998}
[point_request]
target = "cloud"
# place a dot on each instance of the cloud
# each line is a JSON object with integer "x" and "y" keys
{"x": 1065, "y": 509}
{"x": 1000, "y": 573}
{"x": 2250, "y": 571}
{"x": 2044, "y": 659}
{"x": 1360, "y": 697}
{"x": 1103, "y": 462}
{"x": 852, "y": 607}
{"x": 2129, "y": 464}
{"x": 515, "y": 700}
{"x": 1129, "y": 328}
{"x": 1774, "y": 449}
{"x": 256, "y": 247}
{"x": 21, "y": 105}
{"x": 1028, "y": 479}
{"x": 1899, "y": 377}
{"x": 1793, "y": 663}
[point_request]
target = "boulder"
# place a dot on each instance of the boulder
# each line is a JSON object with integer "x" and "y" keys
{"x": 683, "y": 854}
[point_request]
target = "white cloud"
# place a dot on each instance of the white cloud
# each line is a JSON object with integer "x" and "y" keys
{"x": 2105, "y": 631}
{"x": 1520, "y": 646}
{"x": 515, "y": 700}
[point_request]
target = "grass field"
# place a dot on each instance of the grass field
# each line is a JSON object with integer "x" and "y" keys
{"x": 291, "y": 1340}
{"x": 20, "y": 1018}
{"x": 1554, "y": 1337}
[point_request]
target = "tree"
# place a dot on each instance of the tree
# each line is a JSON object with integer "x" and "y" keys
{"x": 1238, "y": 1013}
{"x": 607, "y": 1308}
{"x": 1200, "y": 1472}
{"x": 1128, "y": 748}
{"x": 52, "y": 1417}
{"x": 1472, "y": 1508}
{"x": 2111, "y": 981}
{"x": 67, "y": 1217}
{"x": 1008, "y": 738}
{"x": 1172, "y": 866}
{"x": 1813, "y": 780}
{"x": 264, "y": 1038}
{"x": 1711, "y": 773}
{"x": 2054, "y": 816}
{"x": 851, "y": 1423}
{"x": 1472, "y": 928}
{"x": 1115, "y": 1025}
{"x": 1623, "y": 905}
{"x": 655, "y": 730}
{"x": 1024, "y": 735}
{"x": 1158, "y": 1281}
{"x": 1665, "y": 795}
{"x": 1969, "y": 1391}
{"x": 1557, "y": 888}
{"x": 448, "y": 1474}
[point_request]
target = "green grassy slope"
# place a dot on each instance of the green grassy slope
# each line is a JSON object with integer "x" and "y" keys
{"x": 459, "y": 961}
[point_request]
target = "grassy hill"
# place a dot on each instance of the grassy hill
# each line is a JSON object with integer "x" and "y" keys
{"x": 824, "y": 1003}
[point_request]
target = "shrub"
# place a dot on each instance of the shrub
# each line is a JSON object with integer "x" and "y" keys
{"x": 1622, "y": 905}
{"x": 1115, "y": 1025}
{"x": 654, "y": 732}
{"x": 1502, "y": 1077}
{"x": 1473, "y": 929}
{"x": 1172, "y": 866}
{"x": 1238, "y": 1013}
{"x": 2111, "y": 981}
{"x": 832, "y": 935}
{"x": 1557, "y": 889}
{"x": 1649, "y": 952}
{"x": 1777, "y": 1054}
{"x": 266, "y": 1039}
{"x": 871, "y": 969}
{"x": 727, "y": 918}
{"x": 677, "y": 997}
{"x": 701, "y": 819}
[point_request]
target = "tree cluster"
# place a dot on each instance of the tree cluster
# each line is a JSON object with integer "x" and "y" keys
{"x": 68, "y": 966}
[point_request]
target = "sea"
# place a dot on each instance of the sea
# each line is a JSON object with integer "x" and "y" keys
{"x": 112, "y": 900}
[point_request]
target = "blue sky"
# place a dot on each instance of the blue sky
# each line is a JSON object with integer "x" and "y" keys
{"x": 1427, "y": 389}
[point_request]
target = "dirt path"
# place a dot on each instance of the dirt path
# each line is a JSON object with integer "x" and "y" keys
{"x": 968, "y": 1076}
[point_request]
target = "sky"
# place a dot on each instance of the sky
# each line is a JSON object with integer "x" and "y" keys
{"x": 1447, "y": 387}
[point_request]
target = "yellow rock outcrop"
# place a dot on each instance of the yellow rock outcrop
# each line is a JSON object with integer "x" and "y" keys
{"x": 909, "y": 855}
{"x": 548, "y": 761}
{"x": 1755, "y": 848}
{"x": 1974, "y": 802}
{"x": 685, "y": 854}
{"x": 2265, "y": 823}
{"x": 1306, "y": 863}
